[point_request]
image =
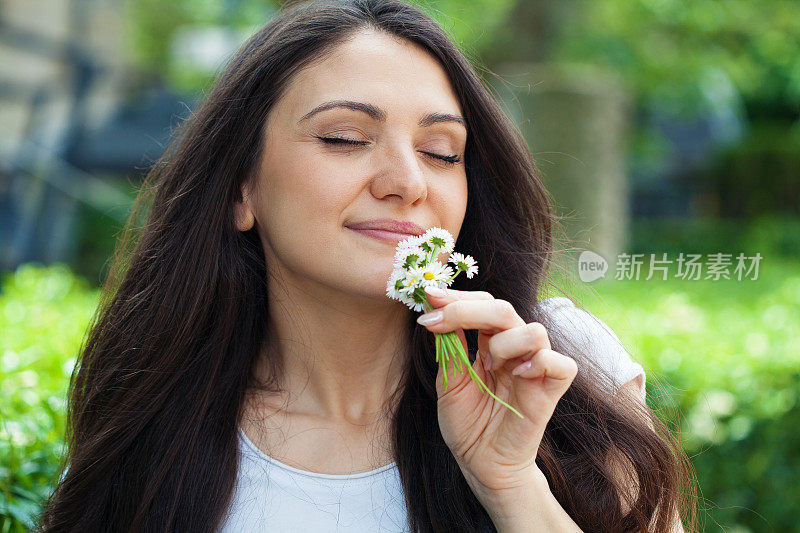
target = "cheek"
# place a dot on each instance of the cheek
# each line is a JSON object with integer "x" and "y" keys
{"x": 306, "y": 201}
{"x": 452, "y": 204}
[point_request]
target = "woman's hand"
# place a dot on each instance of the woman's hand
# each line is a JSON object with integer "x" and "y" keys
{"x": 495, "y": 448}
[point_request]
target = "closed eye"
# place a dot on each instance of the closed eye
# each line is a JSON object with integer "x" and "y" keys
{"x": 449, "y": 159}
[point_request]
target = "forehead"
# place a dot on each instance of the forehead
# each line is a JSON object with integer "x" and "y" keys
{"x": 388, "y": 72}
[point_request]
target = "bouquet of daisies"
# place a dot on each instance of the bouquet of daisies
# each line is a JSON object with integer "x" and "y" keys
{"x": 416, "y": 267}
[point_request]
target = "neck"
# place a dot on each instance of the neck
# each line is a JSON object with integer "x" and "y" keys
{"x": 342, "y": 354}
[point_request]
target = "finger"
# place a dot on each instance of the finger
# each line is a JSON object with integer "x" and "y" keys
{"x": 518, "y": 343}
{"x": 451, "y": 295}
{"x": 483, "y": 345}
{"x": 537, "y": 399}
{"x": 550, "y": 364}
{"x": 492, "y": 316}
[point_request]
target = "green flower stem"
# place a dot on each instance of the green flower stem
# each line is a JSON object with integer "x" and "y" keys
{"x": 449, "y": 347}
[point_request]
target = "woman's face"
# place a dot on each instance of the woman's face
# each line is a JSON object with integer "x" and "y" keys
{"x": 307, "y": 190}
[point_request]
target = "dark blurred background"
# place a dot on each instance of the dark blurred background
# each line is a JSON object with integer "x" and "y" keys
{"x": 660, "y": 126}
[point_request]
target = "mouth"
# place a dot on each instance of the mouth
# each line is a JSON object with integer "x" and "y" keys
{"x": 387, "y": 230}
{"x": 382, "y": 235}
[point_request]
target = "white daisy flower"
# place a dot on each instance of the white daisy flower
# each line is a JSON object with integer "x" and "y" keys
{"x": 395, "y": 283}
{"x": 437, "y": 237}
{"x": 448, "y": 274}
{"x": 411, "y": 241}
{"x": 409, "y": 256}
{"x": 415, "y": 301}
{"x": 434, "y": 273}
{"x": 464, "y": 263}
{"x": 415, "y": 267}
{"x": 412, "y": 280}
{"x": 409, "y": 292}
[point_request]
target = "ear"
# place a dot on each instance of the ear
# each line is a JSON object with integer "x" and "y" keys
{"x": 243, "y": 214}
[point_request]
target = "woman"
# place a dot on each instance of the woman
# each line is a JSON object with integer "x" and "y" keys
{"x": 247, "y": 370}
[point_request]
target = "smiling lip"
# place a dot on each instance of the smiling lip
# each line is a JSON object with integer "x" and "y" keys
{"x": 383, "y": 235}
{"x": 386, "y": 227}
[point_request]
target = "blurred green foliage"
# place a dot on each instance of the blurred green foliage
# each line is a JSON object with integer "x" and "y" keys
{"x": 44, "y": 313}
{"x": 758, "y": 176}
{"x": 769, "y": 235}
{"x": 96, "y": 236}
{"x": 666, "y": 49}
{"x": 153, "y": 26}
{"x": 722, "y": 358}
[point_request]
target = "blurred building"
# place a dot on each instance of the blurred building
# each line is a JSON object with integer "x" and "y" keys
{"x": 71, "y": 132}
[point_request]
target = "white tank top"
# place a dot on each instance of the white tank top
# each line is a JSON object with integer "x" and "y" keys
{"x": 273, "y": 497}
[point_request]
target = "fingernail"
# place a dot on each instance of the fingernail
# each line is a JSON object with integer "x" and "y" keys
{"x": 434, "y": 291}
{"x": 521, "y": 368}
{"x": 430, "y": 318}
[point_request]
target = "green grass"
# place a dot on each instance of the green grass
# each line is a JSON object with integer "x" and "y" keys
{"x": 43, "y": 315}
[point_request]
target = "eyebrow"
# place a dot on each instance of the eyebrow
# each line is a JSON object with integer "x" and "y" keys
{"x": 380, "y": 115}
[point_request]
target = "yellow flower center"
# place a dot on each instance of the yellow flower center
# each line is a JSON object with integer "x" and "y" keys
{"x": 428, "y": 275}
{"x": 411, "y": 282}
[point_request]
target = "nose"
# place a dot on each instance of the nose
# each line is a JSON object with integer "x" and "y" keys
{"x": 400, "y": 175}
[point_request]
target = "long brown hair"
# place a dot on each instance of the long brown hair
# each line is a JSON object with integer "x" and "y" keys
{"x": 156, "y": 399}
